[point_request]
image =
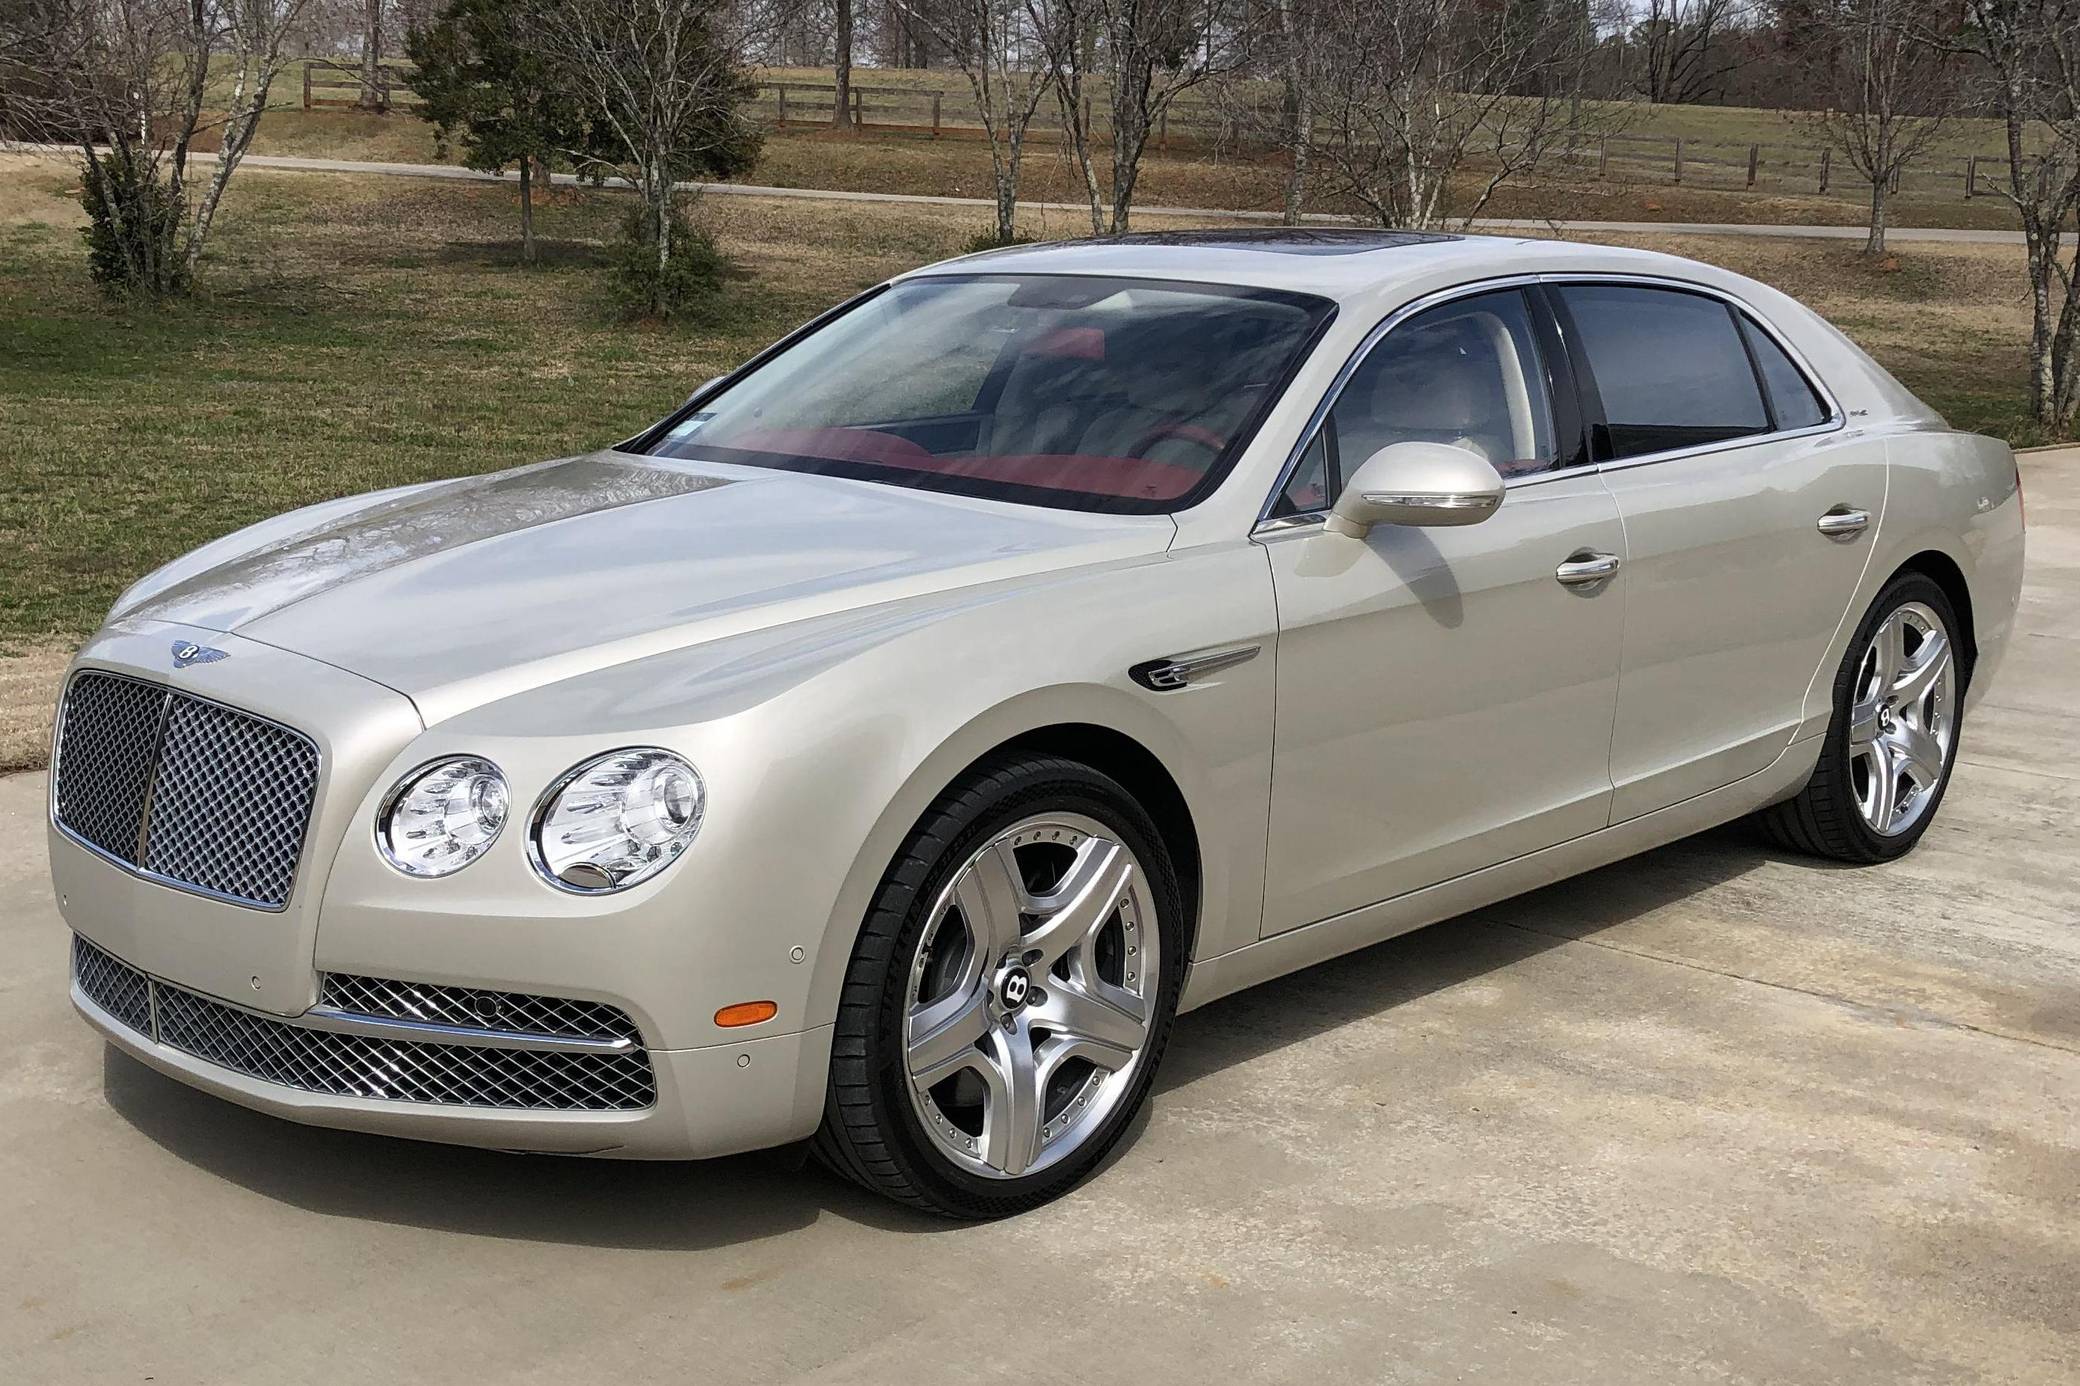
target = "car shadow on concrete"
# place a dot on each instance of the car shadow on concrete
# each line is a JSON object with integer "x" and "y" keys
{"x": 1376, "y": 979}
{"x": 646, "y": 1205}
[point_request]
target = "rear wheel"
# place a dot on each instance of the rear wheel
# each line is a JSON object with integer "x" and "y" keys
{"x": 1890, "y": 747}
{"x": 1009, "y": 996}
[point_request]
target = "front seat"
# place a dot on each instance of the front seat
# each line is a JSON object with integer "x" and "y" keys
{"x": 1435, "y": 391}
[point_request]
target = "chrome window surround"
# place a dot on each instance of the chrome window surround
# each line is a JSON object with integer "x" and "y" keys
{"x": 1267, "y": 524}
{"x": 158, "y": 878}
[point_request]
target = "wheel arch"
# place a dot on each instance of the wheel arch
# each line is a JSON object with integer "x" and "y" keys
{"x": 1943, "y": 570}
{"x": 1106, "y": 728}
{"x": 1142, "y": 774}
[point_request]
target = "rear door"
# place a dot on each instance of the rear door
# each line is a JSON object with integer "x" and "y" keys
{"x": 1749, "y": 511}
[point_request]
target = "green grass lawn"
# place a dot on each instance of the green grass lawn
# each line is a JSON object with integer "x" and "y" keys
{"x": 360, "y": 332}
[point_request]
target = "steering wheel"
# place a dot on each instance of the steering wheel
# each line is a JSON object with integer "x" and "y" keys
{"x": 1190, "y": 432}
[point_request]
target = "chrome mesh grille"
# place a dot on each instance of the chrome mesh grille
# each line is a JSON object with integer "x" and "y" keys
{"x": 116, "y": 987}
{"x": 233, "y": 797}
{"x": 350, "y": 1065}
{"x": 107, "y": 746}
{"x": 499, "y": 1010}
{"x": 228, "y": 794}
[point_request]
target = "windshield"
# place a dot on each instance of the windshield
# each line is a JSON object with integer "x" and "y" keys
{"x": 1086, "y": 393}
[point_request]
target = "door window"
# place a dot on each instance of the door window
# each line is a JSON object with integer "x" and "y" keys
{"x": 1467, "y": 373}
{"x": 1792, "y": 400}
{"x": 1670, "y": 367}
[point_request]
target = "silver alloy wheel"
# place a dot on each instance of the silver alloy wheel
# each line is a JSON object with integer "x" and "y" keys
{"x": 1902, "y": 719}
{"x": 1031, "y": 996}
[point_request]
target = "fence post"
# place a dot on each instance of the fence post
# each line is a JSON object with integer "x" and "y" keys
{"x": 306, "y": 84}
{"x": 1603, "y": 158}
{"x": 1826, "y": 164}
{"x": 1971, "y": 177}
{"x": 1163, "y": 129}
{"x": 1754, "y": 158}
{"x": 859, "y": 108}
{"x": 936, "y": 98}
{"x": 1679, "y": 161}
{"x": 780, "y": 90}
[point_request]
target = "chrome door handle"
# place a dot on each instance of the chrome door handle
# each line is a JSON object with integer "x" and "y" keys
{"x": 1843, "y": 523}
{"x": 1587, "y": 567}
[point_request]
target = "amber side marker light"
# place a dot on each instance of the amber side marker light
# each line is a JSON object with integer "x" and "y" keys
{"x": 745, "y": 1013}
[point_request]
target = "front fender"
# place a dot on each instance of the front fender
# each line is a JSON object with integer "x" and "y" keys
{"x": 821, "y": 744}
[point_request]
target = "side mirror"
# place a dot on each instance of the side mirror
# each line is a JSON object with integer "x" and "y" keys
{"x": 706, "y": 385}
{"x": 1417, "y": 484}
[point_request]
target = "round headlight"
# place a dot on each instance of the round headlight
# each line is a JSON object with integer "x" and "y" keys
{"x": 617, "y": 819}
{"x": 442, "y": 816}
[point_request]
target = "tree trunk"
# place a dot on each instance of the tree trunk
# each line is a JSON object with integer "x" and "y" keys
{"x": 841, "y": 108}
{"x": 661, "y": 184}
{"x": 1299, "y": 112}
{"x": 1302, "y": 141}
{"x": 1874, "y": 244}
{"x": 526, "y": 211}
{"x": 1069, "y": 92}
{"x": 374, "y": 95}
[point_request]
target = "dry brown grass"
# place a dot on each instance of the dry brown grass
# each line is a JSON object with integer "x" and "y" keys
{"x": 28, "y": 694}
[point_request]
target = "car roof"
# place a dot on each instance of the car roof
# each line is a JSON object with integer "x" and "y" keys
{"x": 1344, "y": 264}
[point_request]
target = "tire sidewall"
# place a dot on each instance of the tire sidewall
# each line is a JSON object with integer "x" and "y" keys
{"x": 966, "y": 824}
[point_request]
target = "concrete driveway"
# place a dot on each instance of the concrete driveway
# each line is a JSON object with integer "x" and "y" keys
{"x": 1717, "y": 1114}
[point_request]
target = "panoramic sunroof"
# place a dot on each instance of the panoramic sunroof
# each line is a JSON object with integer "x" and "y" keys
{"x": 1282, "y": 240}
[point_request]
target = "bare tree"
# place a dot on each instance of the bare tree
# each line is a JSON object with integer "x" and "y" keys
{"x": 841, "y": 68}
{"x": 982, "y": 38}
{"x": 375, "y": 82}
{"x": 1066, "y": 30}
{"x": 1298, "y": 54}
{"x": 2029, "y": 50}
{"x": 1887, "y": 91}
{"x": 1683, "y": 54}
{"x": 128, "y": 83}
{"x": 1143, "y": 54}
{"x": 1154, "y": 51}
{"x": 661, "y": 81}
{"x": 1415, "y": 93}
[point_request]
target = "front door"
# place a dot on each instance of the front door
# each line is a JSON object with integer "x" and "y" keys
{"x": 1444, "y": 698}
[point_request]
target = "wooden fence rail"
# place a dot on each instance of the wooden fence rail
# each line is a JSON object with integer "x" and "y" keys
{"x": 329, "y": 85}
{"x": 1210, "y": 128}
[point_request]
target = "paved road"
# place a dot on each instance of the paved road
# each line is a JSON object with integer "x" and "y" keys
{"x": 1902, "y": 234}
{"x": 1715, "y": 1114}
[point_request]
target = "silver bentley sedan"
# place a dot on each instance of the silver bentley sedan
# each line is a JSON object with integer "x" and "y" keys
{"x": 880, "y": 751}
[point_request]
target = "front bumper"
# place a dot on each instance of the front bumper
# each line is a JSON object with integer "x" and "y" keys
{"x": 686, "y": 1104}
{"x": 665, "y": 956}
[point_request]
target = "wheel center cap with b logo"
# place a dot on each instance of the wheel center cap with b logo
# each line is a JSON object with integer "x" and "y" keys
{"x": 1014, "y": 985}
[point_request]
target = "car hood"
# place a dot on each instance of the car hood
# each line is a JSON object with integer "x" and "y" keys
{"x": 460, "y": 592}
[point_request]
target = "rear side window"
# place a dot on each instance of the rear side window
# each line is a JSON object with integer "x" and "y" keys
{"x": 1792, "y": 398}
{"x": 1670, "y": 367}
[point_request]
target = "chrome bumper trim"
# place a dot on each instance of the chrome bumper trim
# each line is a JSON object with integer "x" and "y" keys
{"x": 432, "y": 1032}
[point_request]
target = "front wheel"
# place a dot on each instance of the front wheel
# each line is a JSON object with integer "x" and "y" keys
{"x": 1889, "y": 749}
{"x": 1010, "y": 994}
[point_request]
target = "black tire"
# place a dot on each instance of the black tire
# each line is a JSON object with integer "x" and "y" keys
{"x": 871, "y": 1132}
{"x": 1822, "y": 819}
